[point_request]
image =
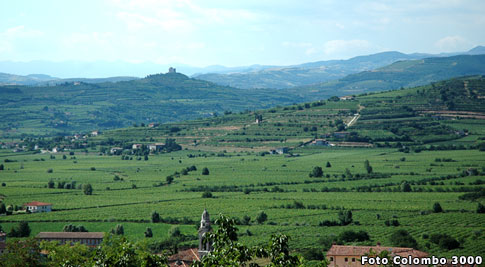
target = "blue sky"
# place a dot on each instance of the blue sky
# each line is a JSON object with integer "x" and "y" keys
{"x": 234, "y": 33}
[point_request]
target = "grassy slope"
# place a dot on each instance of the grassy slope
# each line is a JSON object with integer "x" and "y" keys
{"x": 157, "y": 98}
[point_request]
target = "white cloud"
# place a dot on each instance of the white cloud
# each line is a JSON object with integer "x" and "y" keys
{"x": 452, "y": 43}
{"x": 343, "y": 47}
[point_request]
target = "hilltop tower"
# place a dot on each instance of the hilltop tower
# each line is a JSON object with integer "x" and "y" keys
{"x": 172, "y": 70}
{"x": 205, "y": 227}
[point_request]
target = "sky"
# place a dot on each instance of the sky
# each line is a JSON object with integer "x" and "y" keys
{"x": 234, "y": 33}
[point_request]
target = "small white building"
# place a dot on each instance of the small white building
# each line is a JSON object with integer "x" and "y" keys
{"x": 115, "y": 150}
{"x": 156, "y": 146}
{"x": 136, "y": 146}
{"x": 95, "y": 133}
{"x": 36, "y": 206}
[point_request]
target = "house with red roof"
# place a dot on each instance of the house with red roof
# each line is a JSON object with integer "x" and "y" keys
{"x": 350, "y": 256}
{"x": 36, "y": 206}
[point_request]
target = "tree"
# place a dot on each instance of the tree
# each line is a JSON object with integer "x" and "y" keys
{"x": 406, "y": 187}
{"x": 345, "y": 217}
{"x": 50, "y": 184}
{"x": 3, "y": 209}
{"x": 148, "y": 232}
{"x": 24, "y": 229}
{"x": 316, "y": 172}
{"x": 21, "y": 253}
{"x": 155, "y": 217}
{"x": 401, "y": 238}
{"x": 328, "y": 164}
{"x": 205, "y": 171}
{"x": 367, "y": 166}
{"x": 174, "y": 232}
{"x": 169, "y": 179}
{"x": 118, "y": 230}
{"x": 480, "y": 208}
{"x": 207, "y": 194}
{"x": 437, "y": 207}
{"x": 246, "y": 220}
{"x": 262, "y": 217}
{"x": 87, "y": 189}
{"x": 2, "y": 167}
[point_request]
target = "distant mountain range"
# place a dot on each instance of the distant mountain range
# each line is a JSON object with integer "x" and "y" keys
{"x": 408, "y": 73}
{"x": 315, "y": 72}
{"x": 254, "y": 76}
{"x": 42, "y": 79}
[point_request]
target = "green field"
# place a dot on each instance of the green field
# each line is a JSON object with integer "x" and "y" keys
{"x": 273, "y": 181}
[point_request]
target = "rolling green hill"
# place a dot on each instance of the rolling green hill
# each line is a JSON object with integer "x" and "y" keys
{"x": 400, "y": 74}
{"x": 72, "y": 107}
{"x": 446, "y": 112}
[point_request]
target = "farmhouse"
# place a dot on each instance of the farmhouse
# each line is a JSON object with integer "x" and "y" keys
{"x": 184, "y": 257}
{"x": 347, "y": 97}
{"x": 351, "y": 255}
{"x": 136, "y": 146}
{"x": 153, "y": 124}
{"x": 282, "y": 150}
{"x": 3, "y": 242}
{"x": 36, "y": 206}
{"x": 91, "y": 239}
{"x": 115, "y": 150}
{"x": 319, "y": 142}
{"x": 156, "y": 146}
{"x": 95, "y": 133}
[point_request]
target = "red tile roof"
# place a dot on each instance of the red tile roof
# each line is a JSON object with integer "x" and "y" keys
{"x": 337, "y": 250}
{"x": 184, "y": 257}
{"x": 37, "y": 203}
{"x": 74, "y": 235}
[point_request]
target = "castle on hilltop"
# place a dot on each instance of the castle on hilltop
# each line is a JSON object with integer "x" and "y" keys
{"x": 172, "y": 70}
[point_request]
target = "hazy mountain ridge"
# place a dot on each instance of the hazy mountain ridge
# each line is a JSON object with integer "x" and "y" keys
{"x": 399, "y": 74}
{"x": 317, "y": 72}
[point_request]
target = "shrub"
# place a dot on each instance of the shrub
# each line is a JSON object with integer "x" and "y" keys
{"x": 148, "y": 232}
{"x": 351, "y": 236}
{"x": 316, "y": 172}
{"x": 207, "y": 194}
{"x": 437, "y": 207}
{"x": 262, "y": 217}
{"x": 50, "y": 170}
{"x": 401, "y": 238}
{"x": 205, "y": 171}
{"x": 480, "y": 208}
{"x": 155, "y": 217}
{"x": 87, "y": 189}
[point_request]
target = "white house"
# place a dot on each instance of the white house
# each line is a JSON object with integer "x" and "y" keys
{"x": 36, "y": 206}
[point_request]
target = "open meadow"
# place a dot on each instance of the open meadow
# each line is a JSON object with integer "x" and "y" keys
{"x": 244, "y": 184}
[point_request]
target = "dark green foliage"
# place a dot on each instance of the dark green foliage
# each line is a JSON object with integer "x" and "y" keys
{"x": 367, "y": 166}
{"x": 345, "y": 217}
{"x": 118, "y": 230}
{"x": 262, "y": 217}
{"x": 3, "y": 209}
{"x": 207, "y": 194}
{"x": 437, "y": 207}
{"x": 155, "y": 217}
{"x": 148, "y": 232}
{"x": 22, "y": 230}
{"x": 205, "y": 171}
{"x": 444, "y": 241}
{"x": 351, "y": 236}
{"x": 50, "y": 184}
{"x": 406, "y": 187}
{"x": 2, "y": 167}
{"x": 50, "y": 170}
{"x": 87, "y": 189}
{"x": 481, "y": 146}
{"x": 480, "y": 208}
{"x": 316, "y": 172}
{"x": 74, "y": 228}
{"x": 328, "y": 164}
{"x": 246, "y": 220}
{"x": 401, "y": 238}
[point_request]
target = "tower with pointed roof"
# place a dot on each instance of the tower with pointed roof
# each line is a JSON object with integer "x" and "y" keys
{"x": 205, "y": 227}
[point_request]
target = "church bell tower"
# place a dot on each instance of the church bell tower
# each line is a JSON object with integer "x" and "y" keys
{"x": 205, "y": 227}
